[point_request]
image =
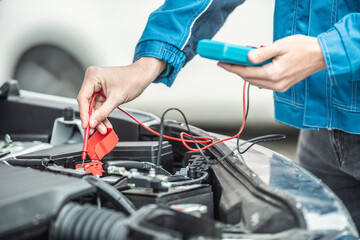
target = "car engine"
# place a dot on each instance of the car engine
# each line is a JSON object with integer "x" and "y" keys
{"x": 143, "y": 189}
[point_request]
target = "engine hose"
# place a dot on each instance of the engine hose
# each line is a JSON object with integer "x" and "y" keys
{"x": 88, "y": 222}
{"x": 203, "y": 177}
{"x": 139, "y": 165}
{"x": 112, "y": 194}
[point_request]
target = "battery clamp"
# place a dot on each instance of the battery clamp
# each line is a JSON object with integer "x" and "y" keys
{"x": 98, "y": 146}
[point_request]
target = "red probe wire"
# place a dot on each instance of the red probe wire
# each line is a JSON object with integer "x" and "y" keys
{"x": 87, "y": 132}
{"x": 182, "y": 134}
{"x": 204, "y": 139}
{"x": 222, "y": 140}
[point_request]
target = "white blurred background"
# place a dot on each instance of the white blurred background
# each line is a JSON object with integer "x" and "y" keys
{"x": 47, "y": 45}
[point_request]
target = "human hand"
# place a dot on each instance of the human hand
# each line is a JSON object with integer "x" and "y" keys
{"x": 294, "y": 58}
{"x": 119, "y": 85}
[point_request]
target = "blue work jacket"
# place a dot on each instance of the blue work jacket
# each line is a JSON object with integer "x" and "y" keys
{"x": 327, "y": 99}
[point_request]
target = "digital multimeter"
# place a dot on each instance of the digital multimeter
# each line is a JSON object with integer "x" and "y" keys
{"x": 226, "y": 52}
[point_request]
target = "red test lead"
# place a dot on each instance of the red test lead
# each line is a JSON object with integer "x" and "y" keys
{"x": 96, "y": 147}
{"x": 204, "y": 140}
{"x": 86, "y": 135}
{"x": 85, "y": 147}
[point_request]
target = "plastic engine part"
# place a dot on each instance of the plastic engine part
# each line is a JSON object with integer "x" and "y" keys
{"x": 30, "y": 199}
{"x": 150, "y": 222}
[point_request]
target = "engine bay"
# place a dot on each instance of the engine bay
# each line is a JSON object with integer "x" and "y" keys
{"x": 144, "y": 189}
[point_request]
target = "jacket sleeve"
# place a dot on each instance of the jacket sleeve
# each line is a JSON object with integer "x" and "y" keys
{"x": 174, "y": 29}
{"x": 341, "y": 48}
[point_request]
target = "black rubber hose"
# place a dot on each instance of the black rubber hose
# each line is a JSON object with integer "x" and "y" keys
{"x": 139, "y": 165}
{"x": 87, "y": 222}
{"x": 203, "y": 177}
{"x": 112, "y": 194}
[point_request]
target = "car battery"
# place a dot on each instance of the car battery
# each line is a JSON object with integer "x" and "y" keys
{"x": 68, "y": 155}
{"x": 142, "y": 152}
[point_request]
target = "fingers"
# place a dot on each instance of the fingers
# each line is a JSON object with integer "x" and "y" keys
{"x": 125, "y": 82}
{"x": 266, "y": 76}
{"x": 288, "y": 66}
{"x": 107, "y": 123}
{"x": 100, "y": 114}
{"x": 256, "y": 56}
{"x": 102, "y": 127}
{"x": 281, "y": 86}
{"x": 88, "y": 88}
{"x": 83, "y": 100}
{"x": 260, "y": 55}
{"x": 263, "y": 72}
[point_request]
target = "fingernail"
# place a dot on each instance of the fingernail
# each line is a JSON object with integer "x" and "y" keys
{"x": 253, "y": 56}
{"x": 103, "y": 131}
{"x": 93, "y": 123}
{"x": 220, "y": 64}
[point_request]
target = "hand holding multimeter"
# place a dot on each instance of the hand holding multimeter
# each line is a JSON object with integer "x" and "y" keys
{"x": 287, "y": 61}
{"x": 226, "y": 52}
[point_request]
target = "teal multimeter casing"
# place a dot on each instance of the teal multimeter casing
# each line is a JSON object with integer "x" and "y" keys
{"x": 226, "y": 52}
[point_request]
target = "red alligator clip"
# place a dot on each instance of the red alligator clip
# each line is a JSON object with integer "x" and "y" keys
{"x": 99, "y": 145}
{"x": 94, "y": 167}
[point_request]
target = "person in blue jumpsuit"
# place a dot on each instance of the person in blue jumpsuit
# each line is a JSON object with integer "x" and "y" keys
{"x": 315, "y": 75}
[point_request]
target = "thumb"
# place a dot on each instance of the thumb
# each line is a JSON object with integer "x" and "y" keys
{"x": 260, "y": 55}
{"x": 100, "y": 114}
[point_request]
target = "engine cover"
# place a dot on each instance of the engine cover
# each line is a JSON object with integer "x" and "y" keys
{"x": 30, "y": 199}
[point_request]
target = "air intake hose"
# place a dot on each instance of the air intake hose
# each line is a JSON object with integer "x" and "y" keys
{"x": 76, "y": 222}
